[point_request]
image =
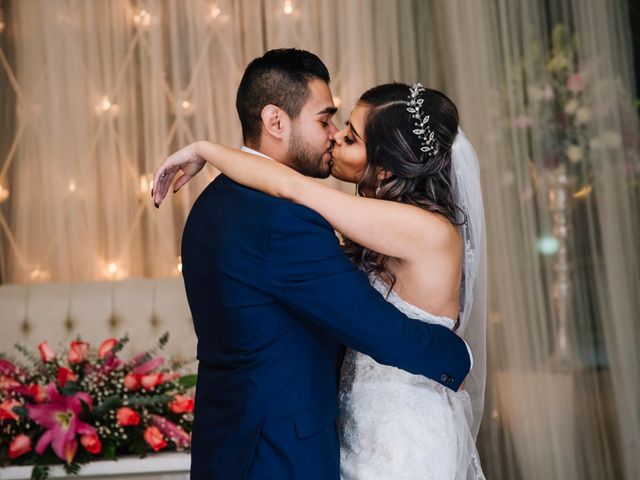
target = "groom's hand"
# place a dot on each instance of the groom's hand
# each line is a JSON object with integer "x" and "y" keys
{"x": 185, "y": 159}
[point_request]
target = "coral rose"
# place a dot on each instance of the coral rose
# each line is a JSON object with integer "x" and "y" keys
{"x": 151, "y": 380}
{"x": 91, "y": 443}
{"x": 154, "y": 438}
{"x": 20, "y": 445}
{"x": 127, "y": 416}
{"x": 132, "y": 381}
{"x": 65, "y": 375}
{"x": 78, "y": 352}
{"x": 106, "y": 347}
{"x": 6, "y": 409}
{"x": 46, "y": 354}
{"x": 181, "y": 404}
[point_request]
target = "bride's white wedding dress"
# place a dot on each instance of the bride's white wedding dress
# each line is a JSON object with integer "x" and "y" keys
{"x": 395, "y": 425}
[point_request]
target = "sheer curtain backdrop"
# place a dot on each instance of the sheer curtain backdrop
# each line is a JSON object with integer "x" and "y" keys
{"x": 95, "y": 94}
{"x": 546, "y": 90}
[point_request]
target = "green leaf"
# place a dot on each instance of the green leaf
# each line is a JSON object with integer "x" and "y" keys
{"x": 72, "y": 468}
{"x": 33, "y": 359}
{"x": 188, "y": 381}
{"x": 109, "y": 450}
{"x": 22, "y": 411}
{"x": 110, "y": 403}
{"x": 120, "y": 345}
{"x": 150, "y": 400}
{"x": 163, "y": 340}
{"x": 70, "y": 388}
{"x": 40, "y": 472}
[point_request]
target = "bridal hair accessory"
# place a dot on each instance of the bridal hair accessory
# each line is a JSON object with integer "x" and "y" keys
{"x": 425, "y": 134}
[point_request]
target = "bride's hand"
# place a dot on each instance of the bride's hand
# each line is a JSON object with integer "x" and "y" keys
{"x": 185, "y": 159}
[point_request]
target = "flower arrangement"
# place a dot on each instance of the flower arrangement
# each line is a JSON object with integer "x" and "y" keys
{"x": 567, "y": 103}
{"x": 90, "y": 405}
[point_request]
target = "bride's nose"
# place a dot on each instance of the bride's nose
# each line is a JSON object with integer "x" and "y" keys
{"x": 339, "y": 137}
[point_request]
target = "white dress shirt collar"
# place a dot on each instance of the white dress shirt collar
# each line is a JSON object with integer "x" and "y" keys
{"x": 254, "y": 152}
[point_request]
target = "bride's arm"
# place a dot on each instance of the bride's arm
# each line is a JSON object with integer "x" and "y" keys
{"x": 387, "y": 227}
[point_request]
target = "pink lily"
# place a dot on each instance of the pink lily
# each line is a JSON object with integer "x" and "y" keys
{"x": 60, "y": 418}
{"x": 111, "y": 363}
{"x": 149, "y": 366}
{"x": 172, "y": 431}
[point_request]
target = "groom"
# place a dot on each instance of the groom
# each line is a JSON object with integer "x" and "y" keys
{"x": 273, "y": 298}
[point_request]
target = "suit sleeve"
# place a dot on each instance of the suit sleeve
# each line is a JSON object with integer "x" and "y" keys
{"x": 311, "y": 275}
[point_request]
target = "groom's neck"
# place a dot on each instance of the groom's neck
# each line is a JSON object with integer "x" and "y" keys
{"x": 272, "y": 150}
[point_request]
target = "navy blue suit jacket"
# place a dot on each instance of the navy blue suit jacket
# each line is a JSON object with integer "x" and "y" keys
{"x": 273, "y": 300}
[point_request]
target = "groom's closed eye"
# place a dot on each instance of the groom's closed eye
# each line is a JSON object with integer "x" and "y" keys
{"x": 325, "y": 115}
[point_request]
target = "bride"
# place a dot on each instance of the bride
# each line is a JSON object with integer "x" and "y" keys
{"x": 417, "y": 229}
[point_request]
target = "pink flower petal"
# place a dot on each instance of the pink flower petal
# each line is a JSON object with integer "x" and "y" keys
{"x": 171, "y": 430}
{"x": 53, "y": 393}
{"x": 85, "y": 397}
{"x": 43, "y": 415}
{"x": 149, "y": 366}
{"x": 84, "y": 428}
{"x": 44, "y": 442}
{"x": 70, "y": 449}
{"x": 60, "y": 441}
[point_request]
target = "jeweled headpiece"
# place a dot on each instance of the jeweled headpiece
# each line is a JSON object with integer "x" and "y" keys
{"x": 421, "y": 122}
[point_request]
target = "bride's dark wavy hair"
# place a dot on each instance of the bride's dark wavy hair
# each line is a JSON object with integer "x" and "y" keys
{"x": 418, "y": 178}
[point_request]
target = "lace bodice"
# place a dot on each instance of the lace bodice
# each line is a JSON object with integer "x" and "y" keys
{"x": 407, "y": 308}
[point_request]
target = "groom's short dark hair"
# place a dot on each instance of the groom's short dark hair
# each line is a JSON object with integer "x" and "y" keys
{"x": 277, "y": 78}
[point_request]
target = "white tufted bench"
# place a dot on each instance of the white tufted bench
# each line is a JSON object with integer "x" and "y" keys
{"x": 58, "y": 312}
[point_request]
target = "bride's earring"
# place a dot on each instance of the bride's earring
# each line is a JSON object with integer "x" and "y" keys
{"x": 378, "y": 187}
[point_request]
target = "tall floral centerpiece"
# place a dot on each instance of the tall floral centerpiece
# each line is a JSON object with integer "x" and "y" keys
{"x": 84, "y": 404}
{"x": 572, "y": 122}
{"x": 567, "y": 101}
{"x": 558, "y": 120}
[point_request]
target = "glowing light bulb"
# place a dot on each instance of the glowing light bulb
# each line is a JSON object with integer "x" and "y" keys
{"x": 146, "y": 181}
{"x": 38, "y": 275}
{"x": 215, "y": 11}
{"x": 2, "y": 24}
{"x": 548, "y": 245}
{"x": 105, "y": 104}
{"x": 288, "y": 7}
{"x": 179, "y": 266}
{"x": 72, "y": 186}
{"x": 186, "y": 107}
{"x": 112, "y": 268}
{"x": 4, "y": 194}
{"x": 337, "y": 101}
{"x": 142, "y": 18}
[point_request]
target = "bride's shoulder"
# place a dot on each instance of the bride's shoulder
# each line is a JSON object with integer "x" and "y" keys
{"x": 437, "y": 231}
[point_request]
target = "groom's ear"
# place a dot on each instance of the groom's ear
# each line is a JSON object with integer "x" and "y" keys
{"x": 275, "y": 121}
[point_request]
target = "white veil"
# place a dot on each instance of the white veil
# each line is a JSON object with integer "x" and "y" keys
{"x": 467, "y": 193}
